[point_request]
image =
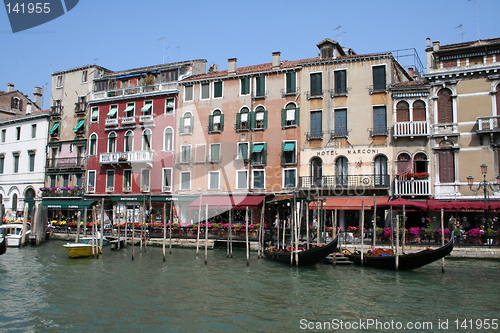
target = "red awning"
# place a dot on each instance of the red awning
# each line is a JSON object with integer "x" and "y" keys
{"x": 457, "y": 205}
{"x": 409, "y": 204}
{"x": 227, "y": 202}
{"x": 347, "y": 203}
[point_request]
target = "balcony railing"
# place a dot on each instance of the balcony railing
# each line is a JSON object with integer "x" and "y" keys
{"x": 65, "y": 162}
{"x": 350, "y": 181}
{"x": 411, "y": 129}
{"x": 111, "y": 122}
{"x": 126, "y": 157}
{"x": 412, "y": 187}
{"x": 488, "y": 124}
{"x": 314, "y": 135}
{"x": 62, "y": 192}
{"x": 130, "y": 91}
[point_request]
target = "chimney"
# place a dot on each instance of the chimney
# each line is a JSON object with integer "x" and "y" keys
{"x": 428, "y": 42}
{"x": 10, "y": 87}
{"x": 276, "y": 59}
{"x": 231, "y": 65}
{"x": 28, "y": 108}
{"x": 37, "y": 93}
{"x": 435, "y": 46}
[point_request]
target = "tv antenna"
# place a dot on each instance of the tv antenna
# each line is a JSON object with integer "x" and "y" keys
{"x": 462, "y": 33}
{"x": 164, "y": 39}
{"x": 340, "y": 34}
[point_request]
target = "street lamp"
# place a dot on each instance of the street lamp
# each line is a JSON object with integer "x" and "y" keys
{"x": 484, "y": 185}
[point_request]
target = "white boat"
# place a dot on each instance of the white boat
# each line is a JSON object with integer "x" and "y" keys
{"x": 96, "y": 240}
{"x": 17, "y": 233}
{"x": 76, "y": 250}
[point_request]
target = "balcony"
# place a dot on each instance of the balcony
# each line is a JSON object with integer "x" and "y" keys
{"x": 128, "y": 121}
{"x": 111, "y": 122}
{"x": 488, "y": 124}
{"x": 350, "y": 181}
{"x": 339, "y": 133}
{"x": 126, "y": 157}
{"x": 412, "y": 187}
{"x": 411, "y": 129}
{"x": 57, "y": 192}
{"x": 146, "y": 119}
{"x": 135, "y": 91}
{"x": 379, "y": 131}
{"x": 65, "y": 163}
{"x": 314, "y": 135}
{"x": 56, "y": 110}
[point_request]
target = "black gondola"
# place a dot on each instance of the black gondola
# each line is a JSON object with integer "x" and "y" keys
{"x": 406, "y": 261}
{"x": 306, "y": 258}
{"x": 3, "y": 240}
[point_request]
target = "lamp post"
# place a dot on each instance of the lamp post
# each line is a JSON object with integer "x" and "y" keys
{"x": 484, "y": 185}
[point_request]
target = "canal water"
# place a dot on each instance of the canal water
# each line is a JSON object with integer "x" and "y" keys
{"x": 44, "y": 290}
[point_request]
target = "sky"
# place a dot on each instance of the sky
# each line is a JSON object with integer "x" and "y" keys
{"x": 123, "y": 34}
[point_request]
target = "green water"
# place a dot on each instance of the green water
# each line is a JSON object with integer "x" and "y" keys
{"x": 43, "y": 290}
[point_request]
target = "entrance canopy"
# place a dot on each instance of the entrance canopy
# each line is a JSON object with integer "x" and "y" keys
{"x": 68, "y": 204}
{"x": 227, "y": 202}
{"x": 347, "y": 203}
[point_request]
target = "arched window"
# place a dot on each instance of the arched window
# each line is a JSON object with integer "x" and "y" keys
{"x": 168, "y": 143}
{"x": 186, "y": 126}
{"x": 129, "y": 141}
{"x": 317, "y": 171}
{"x": 14, "y": 203}
{"x": 260, "y": 117}
{"x": 402, "y": 111}
{"x": 403, "y": 163}
{"x": 216, "y": 121}
{"x": 380, "y": 171}
{"x": 290, "y": 115}
{"x": 419, "y": 111}
{"x": 420, "y": 163}
{"x": 445, "y": 106}
{"x": 93, "y": 144}
{"x": 112, "y": 142}
{"x": 342, "y": 171}
{"x": 243, "y": 119}
{"x": 146, "y": 139}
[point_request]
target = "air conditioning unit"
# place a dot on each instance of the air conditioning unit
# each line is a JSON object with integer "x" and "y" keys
{"x": 90, "y": 188}
{"x": 145, "y": 188}
{"x": 110, "y": 189}
{"x": 167, "y": 188}
{"x": 127, "y": 188}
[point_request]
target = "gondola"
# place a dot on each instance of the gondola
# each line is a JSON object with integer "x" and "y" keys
{"x": 306, "y": 257}
{"x": 406, "y": 261}
{"x": 3, "y": 241}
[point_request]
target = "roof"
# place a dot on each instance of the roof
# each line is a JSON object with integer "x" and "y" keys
{"x": 79, "y": 68}
{"x": 469, "y": 45}
{"x": 153, "y": 68}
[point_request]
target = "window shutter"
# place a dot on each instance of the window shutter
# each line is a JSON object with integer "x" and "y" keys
{"x": 379, "y": 78}
{"x": 251, "y": 119}
{"x": 283, "y": 117}
{"x": 238, "y": 120}
{"x": 211, "y": 123}
{"x": 297, "y": 116}
{"x": 264, "y": 154}
{"x": 446, "y": 166}
{"x": 221, "y": 124}
{"x": 290, "y": 82}
{"x": 265, "y": 119}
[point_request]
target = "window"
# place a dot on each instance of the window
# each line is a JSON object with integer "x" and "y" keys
{"x": 446, "y": 160}
{"x": 215, "y": 152}
{"x": 80, "y": 126}
{"x": 291, "y": 83}
{"x": 2, "y": 163}
{"x": 52, "y": 181}
{"x": 259, "y": 178}
{"x": 185, "y": 154}
{"x": 259, "y": 153}
{"x": 186, "y": 123}
{"x": 290, "y": 115}
{"x": 110, "y": 180}
{"x": 54, "y": 131}
{"x": 147, "y": 109}
{"x": 260, "y": 118}
{"x": 168, "y": 144}
{"x": 379, "y": 120}
{"x": 147, "y": 139}
{"x": 316, "y": 118}
{"x": 288, "y": 153}
{"x": 216, "y": 122}
{"x": 420, "y": 163}
{"x": 340, "y": 78}
{"x": 188, "y": 93}
{"x": 205, "y": 91}
{"x": 14, "y": 203}
{"x": 340, "y": 116}
{"x": 59, "y": 81}
{"x": 445, "y": 106}
{"x": 186, "y": 180}
{"x": 243, "y": 119}
{"x": 260, "y": 86}
{"x": 145, "y": 181}
{"x": 129, "y": 110}
{"x": 95, "y": 114}
{"x": 242, "y": 151}
{"x": 289, "y": 178}
{"x": 242, "y": 179}
{"x": 419, "y": 112}
{"x": 4, "y": 135}
{"x": 31, "y": 155}
{"x": 316, "y": 84}
{"x": 84, "y": 76}
{"x": 18, "y": 133}
{"x": 15, "y": 155}
{"x": 169, "y": 105}
{"x": 380, "y": 171}
{"x": 112, "y": 142}
{"x": 93, "y": 145}
{"x": 167, "y": 180}
{"x": 127, "y": 180}
{"x": 33, "y": 131}
{"x": 316, "y": 171}
{"x": 113, "y": 110}
{"x": 402, "y": 111}
{"x": 379, "y": 78}
{"x": 91, "y": 181}
{"x": 128, "y": 144}
{"x": 245, "y": 86}
{"x": 15, "y": 103}
{"x": 65, "y": 182}
{"x": 403, "y": 163}
{"x": 342, "y": 171}
{"x": 213, "y": 180}
{"x": 218, "y": 89}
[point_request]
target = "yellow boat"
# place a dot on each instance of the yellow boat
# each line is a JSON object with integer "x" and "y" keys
{"x": 76, "y": 250}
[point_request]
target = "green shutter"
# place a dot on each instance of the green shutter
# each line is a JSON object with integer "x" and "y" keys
{"x": 211, "y": 123}
{"x": 265, "y": 119}
{"x": 221, "y": 122}
{"x": 244, "y": 150}
{"x": 238, "y": 121}
{"x": 297, "y": 116}
{"x": 251, "y": 119}
{"x": 217, "y": 89}
{"x": 264, "y": 154}
{"x": 283, "y": 117}
{"x": 290, "y": 82}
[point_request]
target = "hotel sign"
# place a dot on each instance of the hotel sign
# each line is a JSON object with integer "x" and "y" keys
{"x": 347, "y": 152}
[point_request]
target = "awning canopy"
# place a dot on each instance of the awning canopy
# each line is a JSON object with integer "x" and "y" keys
{"x": 227, "y": 202}
{"x": 257, "y": 148}
{"x": 79, "y": 125}
{"x": 347, "y": 203}
{"x": 409, "y": 204}
{"x": 289, "y": 146}
{"x": 68, "y": 204}
{"x": 54, "y": 128}
{"x": 457, "y": 205}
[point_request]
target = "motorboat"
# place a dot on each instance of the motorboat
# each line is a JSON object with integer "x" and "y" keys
{"x": 17, "y": 233}
{"x": 76, "y": 250}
